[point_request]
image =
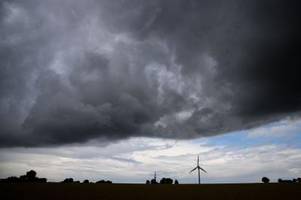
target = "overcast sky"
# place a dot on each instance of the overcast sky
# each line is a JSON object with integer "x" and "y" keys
{"x": 118, "y": 89}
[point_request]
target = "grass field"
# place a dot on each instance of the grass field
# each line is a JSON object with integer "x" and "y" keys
{"x": 52, "y": 191}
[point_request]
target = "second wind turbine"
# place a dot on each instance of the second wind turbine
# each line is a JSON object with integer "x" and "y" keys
{"x": 198, "y": 168}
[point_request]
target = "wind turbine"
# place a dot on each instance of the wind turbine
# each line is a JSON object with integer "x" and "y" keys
{"x": 198, "y": 168}
{"x": 154, "y": 180}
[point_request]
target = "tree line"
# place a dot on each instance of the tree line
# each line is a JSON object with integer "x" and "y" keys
{"x": 294, "y": 180}
{"x": 31, "y": 177}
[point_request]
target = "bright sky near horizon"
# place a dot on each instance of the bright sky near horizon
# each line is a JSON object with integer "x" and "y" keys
{"x": 273, "y": 150}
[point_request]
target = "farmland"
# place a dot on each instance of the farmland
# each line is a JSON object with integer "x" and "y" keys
{"x": 51, "y": 191}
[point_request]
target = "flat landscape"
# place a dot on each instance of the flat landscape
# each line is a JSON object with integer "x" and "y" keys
{"x": 53, "y": 191}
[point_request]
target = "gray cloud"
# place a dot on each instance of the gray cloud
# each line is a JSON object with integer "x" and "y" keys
{"x": 72, "y": 71}
{"x": 139, "y": 157}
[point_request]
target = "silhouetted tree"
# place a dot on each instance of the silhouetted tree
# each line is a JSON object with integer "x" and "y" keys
{"x": 153, "y": 181}
{"x": 30, "y": 177}
{"x": 11, "y": 179}
{"x": 42, "y": 180}
{"x": 285, "y": 181}
{"x": 176, "y": 182}
{"x": 103, "y": 181}
{"x": 24, "y": 178}
{"x": 166, "y": 181}
{"x": 68, "y": 180}
{"x": 147, "y": 182}
{"x": 265, "y": 180}
{"x": 299, "y": 180}
{"x": 31, "y": 174}
{"x": 86, "y": 181}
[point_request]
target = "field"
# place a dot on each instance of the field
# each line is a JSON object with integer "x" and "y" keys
{"x": 53, "y": 191}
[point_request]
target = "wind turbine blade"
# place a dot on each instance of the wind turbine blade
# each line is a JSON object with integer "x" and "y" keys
{"x": 193, "y": 169}
{"x": 203, "y": 170}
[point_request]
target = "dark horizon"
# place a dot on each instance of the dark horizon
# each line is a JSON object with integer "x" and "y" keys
{"x": 31, "y": 177}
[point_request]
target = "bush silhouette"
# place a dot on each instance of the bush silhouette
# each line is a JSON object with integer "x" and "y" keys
{"x": 68, "y": 180}
{"x": 11, "y": 179}
{"x": 86, "y": 181}
{"x": 24, "y": 178}
{"x": 287, "y": 181}
{"x": 147, "y": 182}
{"x": 153, "y": 181}
{"x": 42, "y": 180}
{"x": 176, "y": 182}
{"x": 30, "y": 177}
{"x": 166, "y": 181}
{"x": 265, "y": 180}
{"x": 103, "y": 181}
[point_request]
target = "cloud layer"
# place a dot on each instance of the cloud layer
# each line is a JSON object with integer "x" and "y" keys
{"x": 136, "y": 159}
{"x": 72, "y": 71}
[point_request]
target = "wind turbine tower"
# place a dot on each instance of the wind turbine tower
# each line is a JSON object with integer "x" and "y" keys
{"x": 198, "y": 168}
{"x": 154, "y": 180}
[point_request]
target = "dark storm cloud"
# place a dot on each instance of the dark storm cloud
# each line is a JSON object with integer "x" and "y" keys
{"x": 72, "y": 71}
